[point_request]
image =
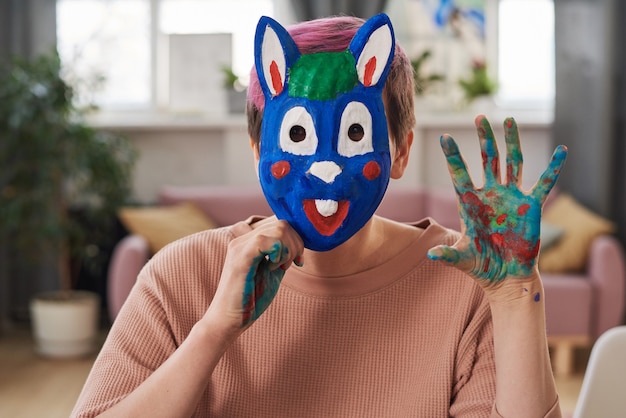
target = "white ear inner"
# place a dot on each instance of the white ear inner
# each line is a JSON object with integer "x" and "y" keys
{"x": 378, "y": 45}
{"x": 272, "y": 50}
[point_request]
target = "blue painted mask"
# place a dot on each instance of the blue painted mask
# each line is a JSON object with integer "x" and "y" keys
{"x": 324, "y": 152}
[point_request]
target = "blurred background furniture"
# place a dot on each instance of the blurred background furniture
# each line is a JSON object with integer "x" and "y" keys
{"x": 602, "y": 391}
{"x": 580, "y": 305}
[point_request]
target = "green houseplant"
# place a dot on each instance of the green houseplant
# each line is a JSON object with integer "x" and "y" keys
{"x": 235, "y": 90}
{"x": 423, "y": 82}
{"x": 479, "y": 84}
{"x": 61, "y": 181}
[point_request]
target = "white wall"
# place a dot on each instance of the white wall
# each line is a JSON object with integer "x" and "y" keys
{"x": 200, "y": 151}
{"x": 428, "y": 166}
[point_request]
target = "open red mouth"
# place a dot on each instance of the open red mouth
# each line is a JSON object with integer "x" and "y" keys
{"x": 326, "y": 215}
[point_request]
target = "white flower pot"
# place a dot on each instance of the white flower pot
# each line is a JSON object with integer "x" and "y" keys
{"x": 65, "y": 324}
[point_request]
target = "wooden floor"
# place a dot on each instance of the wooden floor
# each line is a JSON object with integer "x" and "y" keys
{"x": 32, "y": 386}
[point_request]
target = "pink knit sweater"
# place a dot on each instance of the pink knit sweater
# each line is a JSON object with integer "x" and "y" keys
{"x": 410, "y": 338}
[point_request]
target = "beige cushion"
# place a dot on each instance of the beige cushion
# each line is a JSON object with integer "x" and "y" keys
{"x": 550, "y": 235}
{"x": 164, "y": 224}
{"x": 580, "y": 226}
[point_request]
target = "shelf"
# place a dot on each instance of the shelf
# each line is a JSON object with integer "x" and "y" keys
{"x": 147, "y": 121}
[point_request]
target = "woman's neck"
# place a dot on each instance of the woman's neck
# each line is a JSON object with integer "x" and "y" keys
{"x": 371, "y": 246}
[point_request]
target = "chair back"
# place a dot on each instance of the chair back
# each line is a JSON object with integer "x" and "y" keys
{"x": 603, "y": 392}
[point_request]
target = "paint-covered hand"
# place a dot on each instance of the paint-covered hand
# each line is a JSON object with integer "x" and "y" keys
{"x": 262, "y": 281}
{"x": 501, "y": 223}
{"x": 253, "y": 270}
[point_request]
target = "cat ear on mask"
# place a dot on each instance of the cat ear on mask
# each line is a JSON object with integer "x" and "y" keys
{"x": 373, "y": 47}
{"x": 274, "y": 53}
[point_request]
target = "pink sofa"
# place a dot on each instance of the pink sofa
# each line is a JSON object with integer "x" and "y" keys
{"x": 579, "y": 307}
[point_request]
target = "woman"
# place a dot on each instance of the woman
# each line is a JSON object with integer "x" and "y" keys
{"x": 328, "y": 310}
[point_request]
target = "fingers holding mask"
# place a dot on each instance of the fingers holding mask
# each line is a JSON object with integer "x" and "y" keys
{"x": 253, "y": 270}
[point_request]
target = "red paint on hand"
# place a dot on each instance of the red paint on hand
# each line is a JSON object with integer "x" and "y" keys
{"x": 479, "y": 247}
{"x": 498, "y": 239}
{"x": 477, "y": 209}
{"x": 521, "y": 211}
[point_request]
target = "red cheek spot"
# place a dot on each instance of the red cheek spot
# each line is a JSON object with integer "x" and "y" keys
{"x": 371, "y": 170}
{"x": 521, "y": 211}
{"x": 280, "y": 169}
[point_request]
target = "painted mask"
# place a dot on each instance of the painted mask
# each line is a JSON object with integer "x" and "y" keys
{"x": 324, "y": 152}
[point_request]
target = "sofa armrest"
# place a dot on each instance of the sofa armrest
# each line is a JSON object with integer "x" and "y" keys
{"x": 128, "y": 258}
{"x": 608, "y": 277}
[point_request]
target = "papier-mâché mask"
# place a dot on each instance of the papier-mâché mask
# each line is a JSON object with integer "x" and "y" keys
{"x": 324, "y": 151}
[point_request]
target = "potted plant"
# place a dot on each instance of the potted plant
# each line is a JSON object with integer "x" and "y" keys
{"x": 54, "y": 167}
{"x": 423, "y": 82}
{"x": 235, "y": 90}
{"x": 479, "y": 85}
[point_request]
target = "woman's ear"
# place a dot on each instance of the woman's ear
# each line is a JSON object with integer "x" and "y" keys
{"x": 255, "y": 150}
{"x": 401, "y": 157}
{"x": 256, "y": 154}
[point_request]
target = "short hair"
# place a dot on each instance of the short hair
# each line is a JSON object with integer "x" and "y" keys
{"x": 333, "y": 34}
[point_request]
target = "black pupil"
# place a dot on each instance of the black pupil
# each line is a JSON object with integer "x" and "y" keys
{"x": 355, "y": 132}
{"x": 297, "y": 133}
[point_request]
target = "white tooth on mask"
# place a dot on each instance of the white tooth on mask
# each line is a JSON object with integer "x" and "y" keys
{"x": 326, "y": 207}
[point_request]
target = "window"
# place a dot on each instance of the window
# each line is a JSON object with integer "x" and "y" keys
{"x": 526, "y": 52}
{"x": 218, "y": 16}
{"x": 122, "y": 41}
{"x": 108, "y": 39}
{"x": 119, "y": 40}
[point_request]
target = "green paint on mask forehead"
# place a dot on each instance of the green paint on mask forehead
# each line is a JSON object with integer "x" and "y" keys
{"x": 323, "y": 75}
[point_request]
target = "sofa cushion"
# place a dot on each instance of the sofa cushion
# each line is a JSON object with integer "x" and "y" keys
{"x": 580, "y": 227}
{"x": 443, "y": 207}
{"x": 403, "y": 204}
{"x": 550, "y": 235}
{"x": 164, "y": 224}
{"x": 568, "y": 301}
{"x": 225, "y": 205}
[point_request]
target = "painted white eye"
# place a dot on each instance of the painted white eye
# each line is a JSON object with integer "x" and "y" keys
{"x": 297, "y": 132}
{"x": 355, "y": 131}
